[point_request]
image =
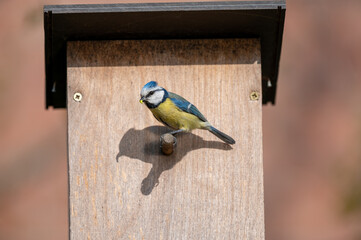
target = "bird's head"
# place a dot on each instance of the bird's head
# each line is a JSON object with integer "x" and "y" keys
{"x": 152, "y": 94}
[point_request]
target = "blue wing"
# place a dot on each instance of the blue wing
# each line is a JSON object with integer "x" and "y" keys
{"x": 186, "y": 106}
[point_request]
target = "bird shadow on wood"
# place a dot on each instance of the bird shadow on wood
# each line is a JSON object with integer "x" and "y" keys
{"x": 144, "y": 145}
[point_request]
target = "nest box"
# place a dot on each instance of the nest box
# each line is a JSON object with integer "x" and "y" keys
{"x": 221, "y": 56}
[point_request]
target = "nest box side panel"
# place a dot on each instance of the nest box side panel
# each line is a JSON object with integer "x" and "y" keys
{"x": 121, "y": 186}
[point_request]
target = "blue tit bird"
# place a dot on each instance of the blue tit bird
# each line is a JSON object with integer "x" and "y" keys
{"x": 175, "y": 112}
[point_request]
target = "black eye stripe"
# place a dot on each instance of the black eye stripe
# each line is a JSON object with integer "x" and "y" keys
{"x": 152, "y": 92}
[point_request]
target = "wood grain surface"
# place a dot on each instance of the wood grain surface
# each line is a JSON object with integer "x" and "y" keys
{"x": 121, "y": 185}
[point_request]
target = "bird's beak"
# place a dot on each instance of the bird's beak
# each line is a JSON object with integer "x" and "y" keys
{"x": 141, "y": 100}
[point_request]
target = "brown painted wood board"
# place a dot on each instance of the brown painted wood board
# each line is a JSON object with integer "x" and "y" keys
{"x": 121, "y": 186}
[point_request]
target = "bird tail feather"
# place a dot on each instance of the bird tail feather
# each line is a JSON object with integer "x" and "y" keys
{"x": 224, "y": 137}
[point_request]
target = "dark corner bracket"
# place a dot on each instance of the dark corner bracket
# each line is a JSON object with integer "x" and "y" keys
{"x": 191, "y": 20}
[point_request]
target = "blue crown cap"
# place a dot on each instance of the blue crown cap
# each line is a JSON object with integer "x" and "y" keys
{"x": 151, "y": 84}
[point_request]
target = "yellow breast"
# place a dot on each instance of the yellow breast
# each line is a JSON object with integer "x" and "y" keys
{"x": 169, "y": 114}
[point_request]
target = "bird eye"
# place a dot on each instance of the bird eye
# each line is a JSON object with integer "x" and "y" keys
{"x": 150, "y": 93}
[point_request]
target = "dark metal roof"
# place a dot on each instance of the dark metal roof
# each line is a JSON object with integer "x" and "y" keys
{"x": 260, "y": 19}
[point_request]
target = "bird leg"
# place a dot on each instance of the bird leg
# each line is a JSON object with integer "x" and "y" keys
{"x": 177, "y": 131}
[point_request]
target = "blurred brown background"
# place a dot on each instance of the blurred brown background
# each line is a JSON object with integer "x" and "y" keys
{"x": 312, "y": 136}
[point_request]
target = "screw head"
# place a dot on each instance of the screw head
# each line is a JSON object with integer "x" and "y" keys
{"x": 254, "y": 96}
{"x": 77, "y": 97}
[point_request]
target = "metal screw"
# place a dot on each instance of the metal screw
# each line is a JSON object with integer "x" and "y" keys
{"x": 77, "y": 97}
{"x": 254, "y": 96}
{"x": 269, "y": 83}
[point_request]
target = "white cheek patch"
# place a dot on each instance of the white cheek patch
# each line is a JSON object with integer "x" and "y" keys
{"x": 156, "y": 98}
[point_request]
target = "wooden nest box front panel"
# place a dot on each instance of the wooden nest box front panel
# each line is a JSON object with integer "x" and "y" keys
{"x": 121, "y": 185}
